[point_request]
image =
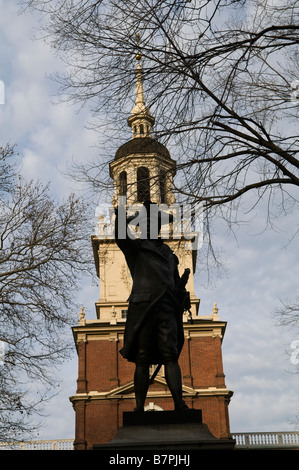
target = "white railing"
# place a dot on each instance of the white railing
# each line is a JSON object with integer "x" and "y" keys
{"x": 57, "y": 444}
{"x": 243, "y": 440}
{"x": 266, "y": 439}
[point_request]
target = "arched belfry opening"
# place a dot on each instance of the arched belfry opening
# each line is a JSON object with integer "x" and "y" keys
{"x": 123, "y": 183}
{"x": 143, "y": 184}
{"x": 162, "y": 187}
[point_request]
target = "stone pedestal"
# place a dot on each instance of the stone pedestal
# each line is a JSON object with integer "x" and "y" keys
{"x": 165, "y": 430}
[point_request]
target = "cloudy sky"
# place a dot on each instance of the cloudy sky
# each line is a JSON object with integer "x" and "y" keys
{"x": 262, "y": 268}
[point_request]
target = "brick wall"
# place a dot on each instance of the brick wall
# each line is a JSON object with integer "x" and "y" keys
{"x": 97, "y": 420}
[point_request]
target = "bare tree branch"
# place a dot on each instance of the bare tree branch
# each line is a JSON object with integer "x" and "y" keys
{"x": 43, "y": 255}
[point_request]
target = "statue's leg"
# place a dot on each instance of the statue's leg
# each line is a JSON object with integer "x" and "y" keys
{"x": 141, "y": 384}
{"x": 167, "y": 340}
{"x": 141, "y": 376}
{"x": 174, "y": 381}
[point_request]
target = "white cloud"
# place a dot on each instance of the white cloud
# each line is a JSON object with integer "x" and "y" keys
{"x": 48, "y": 134}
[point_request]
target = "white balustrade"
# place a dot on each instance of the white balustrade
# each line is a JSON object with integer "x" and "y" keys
{"x": 243, "y": 440}
{"x": 56, "y": 444}
{"x": 266, "y": 439}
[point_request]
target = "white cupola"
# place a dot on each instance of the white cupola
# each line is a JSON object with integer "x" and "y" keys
{"x": 142, "y": 167}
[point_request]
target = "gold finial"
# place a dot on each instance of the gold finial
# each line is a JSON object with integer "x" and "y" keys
{"x": 138, "y": 55}
{"x": 140, "y": 119}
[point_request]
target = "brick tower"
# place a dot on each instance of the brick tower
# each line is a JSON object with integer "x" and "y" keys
{"x": 142, "y": 168}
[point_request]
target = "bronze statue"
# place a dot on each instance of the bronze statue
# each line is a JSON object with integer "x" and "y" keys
{"x": 154, "y": 328}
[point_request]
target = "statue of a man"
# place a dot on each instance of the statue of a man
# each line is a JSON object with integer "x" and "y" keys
{"x": 154, "y": 329}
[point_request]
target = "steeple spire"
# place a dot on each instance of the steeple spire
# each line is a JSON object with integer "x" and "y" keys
{"x": 141, "y": 120}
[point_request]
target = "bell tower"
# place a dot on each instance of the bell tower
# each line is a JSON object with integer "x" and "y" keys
{"x": 142, "y": 169}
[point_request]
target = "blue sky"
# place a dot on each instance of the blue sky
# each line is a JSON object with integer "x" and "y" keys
{"x": 262, "y": 268}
